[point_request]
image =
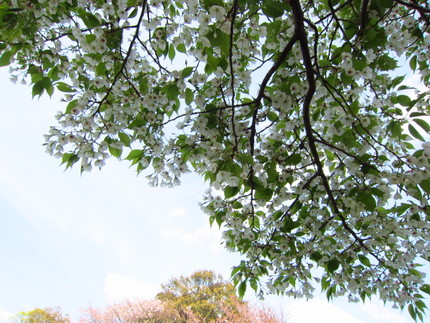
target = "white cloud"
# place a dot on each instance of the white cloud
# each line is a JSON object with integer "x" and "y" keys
{"x": 5, "y": 316}
{"x": 177, "y": 212}
{"x": 118, "y": 287}
{"x": 380, "y": 313}
{"x": 316, "y": 310}
{"x": 206, "y": 234}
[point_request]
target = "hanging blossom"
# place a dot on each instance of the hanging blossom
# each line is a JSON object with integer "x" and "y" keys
{"x": 314, "y": 146}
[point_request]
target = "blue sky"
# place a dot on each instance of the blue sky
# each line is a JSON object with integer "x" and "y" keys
{"x": 74, "y": 240}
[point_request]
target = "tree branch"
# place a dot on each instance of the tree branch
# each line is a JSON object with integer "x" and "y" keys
{"x": 307, "y": 61}
{"x": 233, "y": 126}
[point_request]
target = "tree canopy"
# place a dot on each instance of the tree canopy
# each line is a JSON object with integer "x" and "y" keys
{"x": 301, "y": 116}
{"x": 45, "y": 315}
{"x": 200, "y": 298}
{"x": 204, "y": 294}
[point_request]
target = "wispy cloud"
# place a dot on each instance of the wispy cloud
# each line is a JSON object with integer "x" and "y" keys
{"x": 381, "y": 313}
{"x": 203, "y": 235}
{"x": 177, "y": 212}
{"x": 317, "y": 310}
{"x": 5, "y": 316}
{"x": 118, "y": 287}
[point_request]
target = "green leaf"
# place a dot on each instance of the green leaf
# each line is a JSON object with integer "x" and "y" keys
{"x": 38, "y": 89}
{"x": 387, "y": 63}
{"x": 181, "y": 48}
{"x": 50, "y": 90}
{"x": 114, "y": 38}
{"x": 116, "y": 152}
{"x": 6, "y": 58}
{"x": 272, "y": 174}
{"x": 254, "y": 284}
{"x": 414, "y": 132}
{"x": 364, "y": 260}
{"x": 425, "y": 288}
{"x": 395, "y": 128}
{"x": 418, "y": 114}
{"x": 90, "y": 38}
{"x": 263, "y": 194}
{"x": 332, "y": 265}
{"x": 385, "y": 3}
{"x": 35, "y": 73}
{"x": 272, "y": 116}
{"x": 72, "y": 104}
{"x": 218, "y": 38}
{"x": 294, "y": 159}
{"x": 413, "y": 63}
{"x": 219, "y": 217}
{"x": 420, "y": 305}
{"x": 187, "y": 71}
{"x": 425, "y": 185}
{"x": 133, "y": 13}
{"x": 290, "y": 225}
{"x": 230, "y": 191}
{"x": 125, "y": 139}
{"x": 242, "y": 289}
{"x": 101, "y": 69}
{"x": 237, "y": 205}
{"x": 172, "y": 91}
{"x": 404, "y": 100}
{"x": 273, "y": 8}
{"x": 69, "y": 159}
{"x": 172, "y": 52}
{"x": 315, "y": 256}
{"x": 235, "y": 270}
{"x": 245, "y": 159}
{"x": 401, "y": 208}
{"x": 325, "y": 283}
{"x": 89, "y": 19}
{"x": 423, "y": 124}
{"x": 189, "y": 96}
{"x": 255, "y": 222}
{"x": 367, "y": 199}
{"x": 136, "y": 153}
{"x": 412, "y": 312}
{"x": 63, "y": 87}
{"x": 53, "y": 73}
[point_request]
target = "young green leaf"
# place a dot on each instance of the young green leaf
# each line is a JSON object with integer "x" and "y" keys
{"x": 414, "y": 132}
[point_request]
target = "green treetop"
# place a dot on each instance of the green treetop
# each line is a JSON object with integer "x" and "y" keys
{"x": 45, "y": 315}
{"x": 313, "y": 143}
{"x": 203, "y": 294}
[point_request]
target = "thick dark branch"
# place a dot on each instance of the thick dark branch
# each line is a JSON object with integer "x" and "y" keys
{"x": 363, "y": 18}
{"x": 275, "y": 66}
{"x": 414, "y": 6}
{"x": 423, "y": 11}
{"x": 307, "y": 61}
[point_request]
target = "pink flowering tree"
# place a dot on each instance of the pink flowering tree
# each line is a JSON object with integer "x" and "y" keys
{"x": 155, "y": 311}
{"x": 203, "y": 297}
{"x": 130, "y": 311}
{"x": 313, "y": 142}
